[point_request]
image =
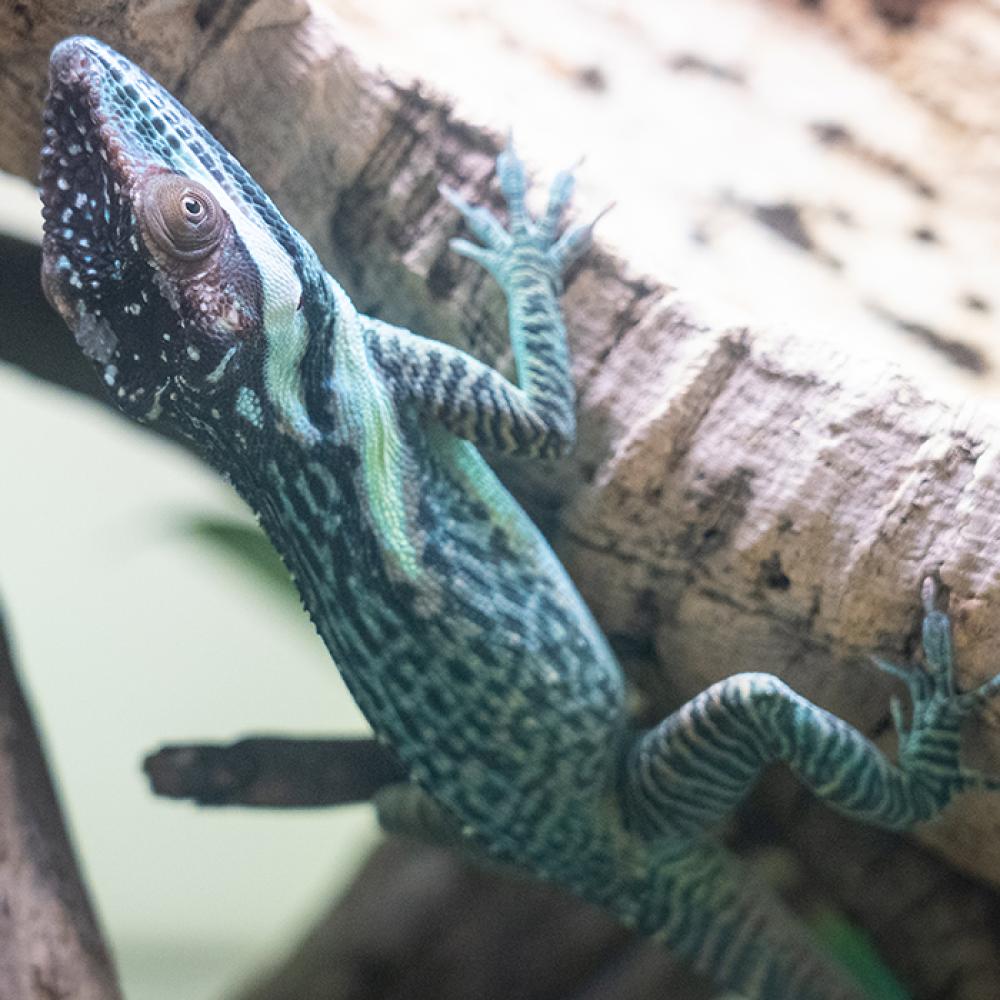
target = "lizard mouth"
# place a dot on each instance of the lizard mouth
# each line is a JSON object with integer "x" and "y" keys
{"x": 84, "y": 181}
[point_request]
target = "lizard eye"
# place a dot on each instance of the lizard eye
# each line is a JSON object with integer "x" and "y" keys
{"x": 180, "y": 218}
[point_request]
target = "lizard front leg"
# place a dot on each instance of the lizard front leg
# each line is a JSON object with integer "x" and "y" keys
{"x": 535, "y": 417}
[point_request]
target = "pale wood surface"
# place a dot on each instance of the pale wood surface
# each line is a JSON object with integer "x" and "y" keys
{"x": 825, "y": 166}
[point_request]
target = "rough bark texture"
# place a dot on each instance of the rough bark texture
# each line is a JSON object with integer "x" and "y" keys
{"x": 739, "y": 499}
{"x": 50, "y": 944}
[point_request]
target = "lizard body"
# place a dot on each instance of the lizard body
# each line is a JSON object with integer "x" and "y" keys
{"x": 453, "y": 623}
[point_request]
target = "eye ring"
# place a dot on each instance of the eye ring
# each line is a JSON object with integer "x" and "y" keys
{"x": 180, "y": 219}
{"x": 192, "y": 207}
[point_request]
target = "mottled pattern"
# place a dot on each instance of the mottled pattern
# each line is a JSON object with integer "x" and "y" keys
{"x": 456, "y": 628}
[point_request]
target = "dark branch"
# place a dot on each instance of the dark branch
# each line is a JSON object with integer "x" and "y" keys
{"x": 274, "y": 772}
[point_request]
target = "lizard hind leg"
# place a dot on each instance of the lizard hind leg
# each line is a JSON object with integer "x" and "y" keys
{"x": 685, "y": 774}
{"x": 705, "y": 904}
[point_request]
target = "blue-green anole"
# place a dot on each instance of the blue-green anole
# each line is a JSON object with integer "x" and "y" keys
{"x": 456, "y": 628}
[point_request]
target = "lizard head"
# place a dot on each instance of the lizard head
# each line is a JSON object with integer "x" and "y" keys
{"x": 180, "y": 280}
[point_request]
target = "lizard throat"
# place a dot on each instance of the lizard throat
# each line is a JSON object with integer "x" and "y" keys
{"x": 83, "y": 180}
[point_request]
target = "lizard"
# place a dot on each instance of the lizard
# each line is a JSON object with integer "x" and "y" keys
{"x": 360, "y": 445}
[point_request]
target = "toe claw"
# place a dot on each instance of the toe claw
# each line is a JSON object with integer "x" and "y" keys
{"x": 977, "y": 781}
{"x": 481, "y": 255}
{"x": 513, "y": 182}
{"x": 891, "y": 668}
{"x": 980, "y": 695}
{"x": 508, "y": 162}
{"x": 483, "y": 223}
{"x": 576, "y": 241}
{"x": 934, "y": 593}
{"x": 937, "y": 646}
{"x": 451, "y": 195}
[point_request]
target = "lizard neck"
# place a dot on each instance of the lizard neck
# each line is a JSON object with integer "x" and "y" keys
{"x": 319, "y": 459}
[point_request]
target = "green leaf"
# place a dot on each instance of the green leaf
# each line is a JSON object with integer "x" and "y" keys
{"x": 853, "y": 948}
{"x": 247, "y": 545}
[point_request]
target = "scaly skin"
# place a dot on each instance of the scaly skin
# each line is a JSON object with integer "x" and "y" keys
{"x": 454, "y": 625}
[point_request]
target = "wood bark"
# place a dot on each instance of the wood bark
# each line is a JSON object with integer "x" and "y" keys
{"x": 739, "y": 499}
{"x": 50, "y": 942}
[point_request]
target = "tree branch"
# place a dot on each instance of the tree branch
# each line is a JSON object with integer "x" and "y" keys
{"x": 274, "y": 772}
{"x": 50, "y": 943}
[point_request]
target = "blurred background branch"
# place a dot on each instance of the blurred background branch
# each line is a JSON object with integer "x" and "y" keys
{"x": 273, "y": 772}
{"x": 50, "y": 942}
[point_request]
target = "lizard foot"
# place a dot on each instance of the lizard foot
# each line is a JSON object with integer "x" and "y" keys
{"x": 529, "y": 241}
{"x": 929, "y": 748}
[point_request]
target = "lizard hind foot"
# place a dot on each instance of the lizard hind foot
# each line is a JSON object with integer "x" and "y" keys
{"x": 930, "y": 746}
{"x": 935, "y": 678}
